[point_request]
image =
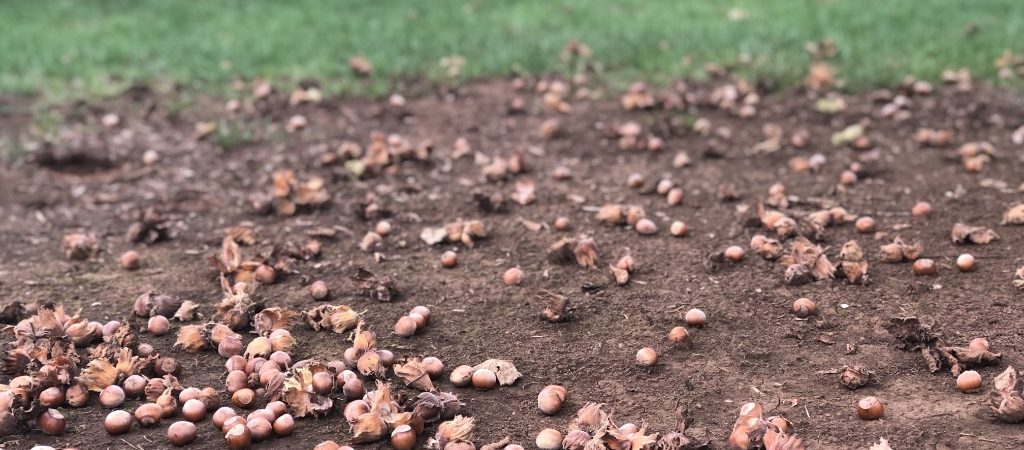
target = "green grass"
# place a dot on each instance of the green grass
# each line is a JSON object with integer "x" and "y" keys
{"x": 97, "y": 46}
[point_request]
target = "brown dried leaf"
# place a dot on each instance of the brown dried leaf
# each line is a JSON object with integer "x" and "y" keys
{"x": 963, "y": 233}
{"x": 187, "y": 311}
{"x": 414, "y": 374}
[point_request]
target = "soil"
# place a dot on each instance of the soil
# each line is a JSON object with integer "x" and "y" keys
{"x": 752, "y": 348}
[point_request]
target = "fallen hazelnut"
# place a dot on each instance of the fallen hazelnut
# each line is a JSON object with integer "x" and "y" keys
{"x": 870, "y": 408}
{"x": 646, "y": 227}
{"x": 222, "y": 415}
{"x": 965, "y": 262}
{"x": 76, "y": 395}
{"x": 135, "y": 385}
{"x": 118, "y": 422}
{"x": 421, "y": 321}
{"x": 549, "y": 439}
{"x": 238, "y": 437}
{"x": 847, "y": 178}
{"x": 804, "y": 308}
{"x": 562, "y": 223}
{"x": 433, "y": 366}
{"x": 353, "y": 388}
{"x": 405, "y": 327}
{"x": 260, "y": 429}
{"x": 969, "y": 382}
{"x": 674, "y": 196}
{"x": 678, "y": 335}
{"x": 513, "y": 276}
{"x": 319, "y": 290}
{"x": 112, "y": 396}
{"x": 449, "y": 259}
{"x": 278, "y": 408}
{"x": 284, "y": 425}
{"x": 695, "y": 317}
{"x": 734, "y": 253}
{"x": 130, "y": 260}
{"x": 664, "y": 185}
{"x": 924, "y": 267}
{"x": 646, "y": 357}
{"x": 677, "y": 229}
{"x": 243, "y": 398}
{"x": 159, "y": 325}
{"x": 865, "y": 224}
{"x": 181, "y": 433}
{"x": 422, "y": 311}
{"x": 551, "y": 398}
{"x": 484, "y": 379}
{"x": 51, "y": 422}
{"x": 382, "y": 228}
{"x": 148, "y": 414}
{"x": 979, "y": 344}
{"x": 355, "y": 408}
{"x": 323, "y": 383}
{"x": 193, "y": 410}
{"x": 635, "y": 180}
{"x": 403, "y": 438}
{"x": 461, "y": 376}
{"x": 265, "y": 274}
{"x": 52, "y": 397}
{"x": 921, "y": 209}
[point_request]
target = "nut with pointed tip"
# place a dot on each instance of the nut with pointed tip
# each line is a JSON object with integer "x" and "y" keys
{"x": 243, "y": 398}
{"x": 965, "y": 262}
{"x": 355, "y": 408}
{"x": 433, "y": 366}
{"x": 265, "y": 274}
{"x": 260, "y": 429}
{"x": 284, "y": 425}
{"x": 52, "y": 397}
{"x": 222, "y": 415}
{"x": 921, "y": 209}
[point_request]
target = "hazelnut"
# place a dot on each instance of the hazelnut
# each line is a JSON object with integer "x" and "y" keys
{"x": 484, "y": 379}
{"x": 449, "y": 259}
{"x": 284, "y": 425}
{"x": 159, "y": 325}
{"x": 403, "y": 438}
{"x": 265, "y": 274}
{"x": 734, "y": 253}
{"x": 674, "y": 196}
{"x": 51, "y": 422}
{"x": 130, "y": 260}
{"x": 804, "y": 308}
{"x": 695, "y": 317}
{"x": 405, "y": 327}
{"x": 319, "y": 290}
{"x": 865, "y": 224}
{"x": 193, "y": 410}
{"x": 243, "y": 398}
{"x": 461, "y": 376}
{"x": 921, "y": 209}
{"x": 551, "y": 398}
{"x": 549, "y": 439}
{"x": 870, "y": 408}
{"x": 969, "y": 382}
{"x": 678, "y": 335}
{"x": 513, "y": 276}
{"x": 112, "y": 396}
{"x": 562, "y": 223}
{"x": 181, "y": 433}
{"x": 117, "y": 422}
{"x": 52, "y": 397}
{"x": 646, "y": 227}
{"x": 238, "y": 437}
{"x": 646, "y": 357}
{"x": 924, "y": 267}
{"x": 677, "y": 229}
{"x": 965, "y": 262}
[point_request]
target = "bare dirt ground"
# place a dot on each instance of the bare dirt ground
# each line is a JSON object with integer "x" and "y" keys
{"x": 93, "y": 179}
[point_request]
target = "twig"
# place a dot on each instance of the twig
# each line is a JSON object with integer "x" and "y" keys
{"x": 136, "y": 447}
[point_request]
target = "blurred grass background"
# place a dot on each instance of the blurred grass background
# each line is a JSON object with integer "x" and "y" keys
{"x": 98, "y": 46}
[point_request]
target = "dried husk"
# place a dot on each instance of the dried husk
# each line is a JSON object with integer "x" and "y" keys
{"x": 413, "y": 374}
